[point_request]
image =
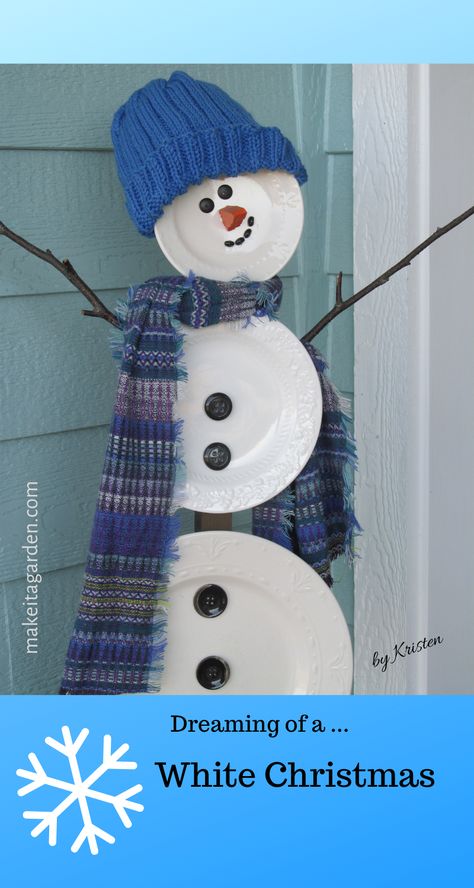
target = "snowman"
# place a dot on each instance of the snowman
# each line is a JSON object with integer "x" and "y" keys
{"x": 253, "y": 388}
{"x": 244, "y": 613}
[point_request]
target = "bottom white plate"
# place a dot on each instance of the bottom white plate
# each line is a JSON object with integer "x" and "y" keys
{"x": 281, "y": 632}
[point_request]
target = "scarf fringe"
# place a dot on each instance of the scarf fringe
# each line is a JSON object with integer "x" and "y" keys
{"x": 117, "y": 338}
{"x": 171, "y": 550}
{"x": 350, "y": 466}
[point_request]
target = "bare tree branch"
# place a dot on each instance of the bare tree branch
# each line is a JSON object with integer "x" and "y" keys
{"x": 342, "y": 304}
{"x": 339, "y": 289}
{"x": 99, "y": 310}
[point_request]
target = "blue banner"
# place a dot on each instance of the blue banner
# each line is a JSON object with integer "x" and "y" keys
{"x": 261, "y": 790}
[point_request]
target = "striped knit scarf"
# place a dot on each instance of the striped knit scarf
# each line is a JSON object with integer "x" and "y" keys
{"x": 119, "y": 637}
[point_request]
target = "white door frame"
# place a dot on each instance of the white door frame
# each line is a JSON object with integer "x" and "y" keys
{"x": 391, "y": 215}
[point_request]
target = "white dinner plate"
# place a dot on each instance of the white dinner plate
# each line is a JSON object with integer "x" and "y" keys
{"x": 281, "y": 632}
{"x": 275, "y": 418}
{"x": 265, "y": 233}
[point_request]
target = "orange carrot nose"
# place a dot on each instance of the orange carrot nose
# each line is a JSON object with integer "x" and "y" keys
{"x": 232, "y": 217}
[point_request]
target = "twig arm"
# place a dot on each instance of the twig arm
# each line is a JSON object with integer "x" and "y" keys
{"x": 339, "y": 289}
{"x": 99, "y": 310}
{"x": 341, "y": 305}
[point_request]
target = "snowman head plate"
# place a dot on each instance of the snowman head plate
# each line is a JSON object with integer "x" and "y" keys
{"x": 238, "y": 226}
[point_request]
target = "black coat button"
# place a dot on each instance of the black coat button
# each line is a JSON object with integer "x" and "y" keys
{"x": 218, "y": 406}
{"x": 210, "y": 600}
{"x": 216, "y": 456}
{"x": 213, "y": 673}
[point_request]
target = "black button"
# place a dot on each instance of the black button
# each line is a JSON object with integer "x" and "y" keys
{"x": 239, "y": 241}
{"x": 218, "y": 406}
{"x": 216, "y": 456}
{"x": 210, "y": 600}
{"x": 206, "y": 205}
{"x": 224, "y": 192}
{"x": 228, "y": 243}
{"x": 250, "y": 220}
{"x": 212, "y": 673}
{"x": 247, "y": 232}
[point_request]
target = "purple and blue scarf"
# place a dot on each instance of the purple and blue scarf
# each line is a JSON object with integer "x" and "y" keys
{"x": 119, "y": 637}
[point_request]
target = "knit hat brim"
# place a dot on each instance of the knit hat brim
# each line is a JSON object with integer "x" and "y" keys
{"x": 193, "y": 157}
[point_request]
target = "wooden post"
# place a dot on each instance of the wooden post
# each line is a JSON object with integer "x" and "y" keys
{"x": 212, "y": 521}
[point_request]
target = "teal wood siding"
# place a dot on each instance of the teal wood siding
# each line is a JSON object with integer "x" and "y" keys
{"x": 59, "y": 189}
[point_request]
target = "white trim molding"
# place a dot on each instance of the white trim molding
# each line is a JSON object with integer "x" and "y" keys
{"x": 414, "y": 364}
{"x": 390, "y": 485}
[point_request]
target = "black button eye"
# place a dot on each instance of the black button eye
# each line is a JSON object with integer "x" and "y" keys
{"x": 206, "y": 205}
{"x": 224, "y": 192}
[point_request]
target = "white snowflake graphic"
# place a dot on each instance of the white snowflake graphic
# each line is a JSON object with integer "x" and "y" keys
{"x": 79, "y": 790}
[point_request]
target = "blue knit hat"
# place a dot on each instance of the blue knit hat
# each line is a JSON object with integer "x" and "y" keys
{"x": 174, "y": 133}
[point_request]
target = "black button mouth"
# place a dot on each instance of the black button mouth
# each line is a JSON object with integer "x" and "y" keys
{"x": 241, "y": 240}
{"x": 213, "y": 673}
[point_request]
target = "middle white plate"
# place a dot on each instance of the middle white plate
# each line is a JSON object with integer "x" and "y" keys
{"x": 275, "y": 418}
